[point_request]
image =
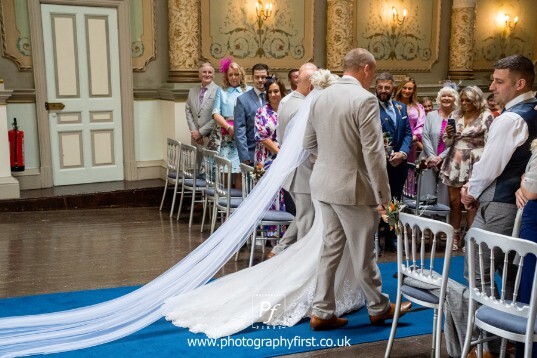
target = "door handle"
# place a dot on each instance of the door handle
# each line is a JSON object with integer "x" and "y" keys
{"x": 54, "y": 106}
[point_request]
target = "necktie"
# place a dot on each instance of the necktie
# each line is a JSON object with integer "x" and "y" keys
{"x": 262, "y": 98}
{"x": 202, "y": 94}
{"x": 391, "y": 112}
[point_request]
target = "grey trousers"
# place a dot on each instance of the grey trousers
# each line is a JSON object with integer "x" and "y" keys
{"x": 305, "y": 214}
{"x": 491, "y": 216}
{"x": 354, "y": 225}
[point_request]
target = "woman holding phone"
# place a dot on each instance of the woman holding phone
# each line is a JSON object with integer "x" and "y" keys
{"x": 465, "y": 135}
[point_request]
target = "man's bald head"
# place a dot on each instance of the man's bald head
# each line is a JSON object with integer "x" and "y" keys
{"x": 304, "y": 73}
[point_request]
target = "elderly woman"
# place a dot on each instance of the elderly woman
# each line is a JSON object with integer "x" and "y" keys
{"x": 466, "y": 143}
{"x": 434, "y": 147}
{"x": 222, "y": 138}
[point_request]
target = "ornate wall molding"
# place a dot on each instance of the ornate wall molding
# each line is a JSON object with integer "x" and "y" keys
{"x": 184, "y": 40}
{"x": 143, "y": 33}
{"x": 284, "y": 40}
{"x": 16, "y": 33}
{"x": 461, "y": 42}
{"x": 339, "y": 32}
{"x": 412, "y": 45}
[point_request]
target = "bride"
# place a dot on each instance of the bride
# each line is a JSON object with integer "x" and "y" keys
{"x": 277, "y": 292}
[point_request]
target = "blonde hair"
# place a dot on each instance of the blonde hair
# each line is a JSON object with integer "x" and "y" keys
{"x": 242, "y": 74}
{"x": 398, "y": 95}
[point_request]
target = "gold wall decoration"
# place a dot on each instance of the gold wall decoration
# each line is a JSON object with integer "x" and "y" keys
{"x": 16, "y": 44}
{"x": 339, "y": 32}
{"x": 231, "y": 27}
{"x": 493, "y": 40}
{"x": 409, "y": 46}
{"x": 143, "y": 38}
{"x": 15, "y": 27}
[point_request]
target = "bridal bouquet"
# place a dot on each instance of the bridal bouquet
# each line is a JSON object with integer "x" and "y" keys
{"x": 392, "y": 214}
{"x": 258, "y": 172}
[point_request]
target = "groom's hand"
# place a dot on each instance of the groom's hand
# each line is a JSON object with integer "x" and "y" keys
{"x": 382, "y": 209}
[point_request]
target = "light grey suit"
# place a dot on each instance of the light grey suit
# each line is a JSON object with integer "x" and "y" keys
{"x": 297, "y": 183}
{"x": 199, "y": 115}
{"x": 349, "y": 179}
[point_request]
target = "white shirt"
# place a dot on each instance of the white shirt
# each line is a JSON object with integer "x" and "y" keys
{"x": 508, "y": 132}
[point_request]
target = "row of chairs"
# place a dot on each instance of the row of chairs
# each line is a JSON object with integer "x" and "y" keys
{"x": 490, "y": 309}
{"x": 214, "y": 191}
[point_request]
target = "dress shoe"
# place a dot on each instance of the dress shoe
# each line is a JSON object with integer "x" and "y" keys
{"x": 379, "y": 319}
{"x": 270, "y": 254}
{"x": 319, "y": 324}
{"x": 486, "y": 354}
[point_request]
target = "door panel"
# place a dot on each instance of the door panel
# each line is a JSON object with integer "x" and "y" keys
{"x": 82, "y": 71}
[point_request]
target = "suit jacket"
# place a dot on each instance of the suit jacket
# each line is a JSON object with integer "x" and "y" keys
{"x": 344, "y": 127}
{"x": 298, "y": 181}
{"x": 199, "y": 117}
{"x": 400, "y": 134}
{"x": 244, "y": 116}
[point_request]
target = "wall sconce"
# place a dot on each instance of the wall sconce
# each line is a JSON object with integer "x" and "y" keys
{"x": 395, "y": 16}
{"x": 510, "y": 24}
{"x": 263, "y": 11}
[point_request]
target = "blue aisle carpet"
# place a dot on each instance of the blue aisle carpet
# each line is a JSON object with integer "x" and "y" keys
{"x": 162, "y": 339}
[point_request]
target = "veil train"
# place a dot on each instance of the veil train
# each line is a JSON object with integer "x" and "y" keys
{"x": 117, "y": 318}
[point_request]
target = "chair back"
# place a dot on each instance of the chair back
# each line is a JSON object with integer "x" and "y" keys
{"x": 416, "y": 254}
{"x": 173, "y": 155}
{"x": 188, "y": 160}
{"x": 247, "y": 180}
{"x": 426, "y": 205}
{"x": 222, "y": 168}
{"x": 513, "y": 253}
{"x": 208, "y": 164}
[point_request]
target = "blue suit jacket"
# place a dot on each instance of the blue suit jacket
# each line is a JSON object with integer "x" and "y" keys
{"x": 244, "y": 117}
{"x": 401, "y": 134}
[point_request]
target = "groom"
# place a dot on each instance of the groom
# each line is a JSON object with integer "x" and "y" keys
{"x": 349, "y": 179}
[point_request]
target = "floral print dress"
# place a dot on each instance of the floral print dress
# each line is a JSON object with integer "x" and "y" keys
{"x": 466, "y": 149}
{"x": 266, "y": 122}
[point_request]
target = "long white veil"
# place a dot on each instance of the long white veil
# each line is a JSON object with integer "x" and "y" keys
{"x": 111, "y": 320}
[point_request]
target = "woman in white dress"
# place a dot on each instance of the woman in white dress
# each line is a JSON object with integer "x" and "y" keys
{"x": 222, "y": 307}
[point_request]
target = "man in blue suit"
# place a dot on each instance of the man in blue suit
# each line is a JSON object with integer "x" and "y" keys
{"x": 395, "y": 126}
{"x": 244, "y": 114}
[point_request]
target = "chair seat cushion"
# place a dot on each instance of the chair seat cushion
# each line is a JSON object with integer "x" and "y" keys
{"x": 277, "y": 215}
{"x": 411, "y": 204}
{"x": 190, "y": 182}
{"x": 233, "y": 202}
{"x": 234, "y": 193}
{"x": 503, "y": 320}
{"x": 420, "y": 294}
{"x": 173, "y": 175}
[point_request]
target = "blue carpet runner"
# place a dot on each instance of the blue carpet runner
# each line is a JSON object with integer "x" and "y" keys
{"x": 163, "y": 339}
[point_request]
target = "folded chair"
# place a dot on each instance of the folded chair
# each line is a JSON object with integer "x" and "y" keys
{"x": 495, "y": 312}
{"x": 416, "y": 262}
{"x": 224, "y": 203}
{"x": 173, "y": 177}
{"x": 190, "y": 184}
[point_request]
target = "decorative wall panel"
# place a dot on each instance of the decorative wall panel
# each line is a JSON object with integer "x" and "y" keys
{"x": 410, "y": 46}
{"x": 15, "y": 27}
{"x": 231, "y": 28}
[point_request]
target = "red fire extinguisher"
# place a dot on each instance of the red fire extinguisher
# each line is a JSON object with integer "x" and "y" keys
{"x": 16, "y": 147}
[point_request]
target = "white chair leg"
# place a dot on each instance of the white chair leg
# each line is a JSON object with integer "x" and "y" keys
{"x": 503, "y": 348}
{"x": 205, "y": 202}
{"x": 433, "y": 347}
{"x": 252, "y": 248}
{"x": 214, "y": 217}
{"x": 469, "y": 330}
{"x": 394, "y": 324}
{"x": 173, "y": 197}
{"x": 181, "y": 201}
{"x": 164, "y": 195}
{"x": 192, "y": 206}
{"x": 377, "y": 246}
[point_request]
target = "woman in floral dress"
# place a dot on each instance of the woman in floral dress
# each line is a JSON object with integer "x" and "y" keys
{"x": 266, "y": 142}
{"x": 466, "y": 142}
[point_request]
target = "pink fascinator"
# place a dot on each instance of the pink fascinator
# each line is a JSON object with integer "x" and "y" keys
{"x": 224, "y": 64}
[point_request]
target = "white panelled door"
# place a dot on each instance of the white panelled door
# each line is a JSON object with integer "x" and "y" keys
{"x": 82, "y": 72}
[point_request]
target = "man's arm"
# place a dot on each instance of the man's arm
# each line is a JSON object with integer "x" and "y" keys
{"x": 373, "y": 148}
{"x": 239, "y": 115}
{"x": 507, "y": 133}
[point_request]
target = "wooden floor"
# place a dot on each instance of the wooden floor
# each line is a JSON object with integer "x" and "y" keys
{"x": 69, "y": 250}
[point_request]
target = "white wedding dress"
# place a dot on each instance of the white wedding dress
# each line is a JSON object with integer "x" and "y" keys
{"x": 289, "y": 276}
{"x": 286, "y": 281}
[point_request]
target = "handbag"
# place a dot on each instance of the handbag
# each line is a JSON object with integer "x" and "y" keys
{"x": 224, "y": 130}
